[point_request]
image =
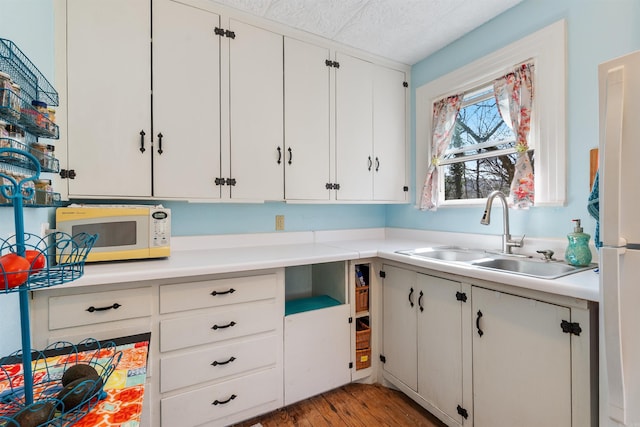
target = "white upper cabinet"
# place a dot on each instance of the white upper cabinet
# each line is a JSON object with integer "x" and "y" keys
{"x": 307, "y": 158}
{"x": 256, "y": 113}
{"x": 109, "y": 97}
{"x": 170, "y": 99}
{"x": 354, "y": 128}
{"x": 186, "y": 107}
{"x": 389, "y": 135}
{"x": 370, "y": 131}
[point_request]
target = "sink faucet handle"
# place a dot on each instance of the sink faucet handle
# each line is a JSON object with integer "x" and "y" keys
{"x": 547, "y": 253}
{"x": 518, "y": 243}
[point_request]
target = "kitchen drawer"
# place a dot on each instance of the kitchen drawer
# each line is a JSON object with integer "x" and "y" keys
{"x": 209, "y": 404}
{"x": 214, "y": 293}
{"x": 98, "y": 307}
{"x": 217, "y": 362}
{"x": 219, "y": 324}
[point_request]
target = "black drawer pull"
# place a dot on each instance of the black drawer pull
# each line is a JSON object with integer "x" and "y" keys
{"x": 230, "y": 291}
{"x": 216, "y": 363}
{"x": 420, "y": 301}
{"x": 114, "y": 307}
{"x": 480, "y": 332}
{"x": 216, "y": 327}
{"x": 222, "y": 402}
{"x": 411, "y": 297}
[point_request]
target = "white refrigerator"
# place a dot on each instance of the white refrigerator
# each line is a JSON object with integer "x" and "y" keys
{"x": 619, "y": 92}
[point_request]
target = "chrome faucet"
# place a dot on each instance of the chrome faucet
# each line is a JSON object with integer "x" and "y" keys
{"x": 507, "y": 243}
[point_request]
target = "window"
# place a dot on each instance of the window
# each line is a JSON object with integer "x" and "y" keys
{"x": 467, "y": 171}
{"x": 482, "y": 155}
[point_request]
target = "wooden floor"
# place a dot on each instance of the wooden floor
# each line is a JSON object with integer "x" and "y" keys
{"x": 356, "y": 405}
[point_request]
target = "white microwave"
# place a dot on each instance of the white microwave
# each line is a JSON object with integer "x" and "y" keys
{"x": 124, "y": 231}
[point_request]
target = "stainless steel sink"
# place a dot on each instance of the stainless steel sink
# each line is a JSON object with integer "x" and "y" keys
{"x": 544, "y": 269}
{"x": 499, "y": 262}
{"x": 447, "y": 253}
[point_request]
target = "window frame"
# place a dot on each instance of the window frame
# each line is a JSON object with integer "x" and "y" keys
{"x": 546, "y": 48}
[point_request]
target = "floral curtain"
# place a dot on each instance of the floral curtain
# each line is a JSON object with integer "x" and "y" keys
{"x": 445, "y": 112}
{"x": 514, "y": 96}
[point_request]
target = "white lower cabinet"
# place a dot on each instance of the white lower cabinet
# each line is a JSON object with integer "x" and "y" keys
{"x": 521, "y": 361}
{"x": 316, "y": 352}
{"x": 422, "y": 340}
{"x": 216, "y": 349}
{"x": 224, "y": 403}
{"x": 488, "y": 354}
{"x": 221, "y": 354}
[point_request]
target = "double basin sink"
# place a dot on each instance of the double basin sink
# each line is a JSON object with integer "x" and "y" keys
{"x": 516, "y": 264}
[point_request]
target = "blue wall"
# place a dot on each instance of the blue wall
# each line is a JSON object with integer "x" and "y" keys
{"x": 597, "y": 30}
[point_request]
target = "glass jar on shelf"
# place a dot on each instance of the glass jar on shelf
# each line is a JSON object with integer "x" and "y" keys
{"x": 42, "y": 114}
{"x": 14, "y": 100}
{"x": 41, "y": 152}
{"x": 44, "y": 192}
{"x": 5, "y": 90}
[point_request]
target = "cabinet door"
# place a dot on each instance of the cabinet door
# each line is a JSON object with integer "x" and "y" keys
{"x": 306, "y": 126}
{"x": 440, "y": 344}
{"x": 399, "y": 346}
{"x": 186, "y": 107}
{"x": 109, "y": 97}
{"x": 256, "y": 113}
{"x": 521, "y": 362}
{"x": 389, "y": 135}
{"x": 354, "y": 130}
{"x": 317, "y": 348}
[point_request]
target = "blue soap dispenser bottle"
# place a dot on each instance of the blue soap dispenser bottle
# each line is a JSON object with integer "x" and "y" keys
{"x": 578, "y": 252}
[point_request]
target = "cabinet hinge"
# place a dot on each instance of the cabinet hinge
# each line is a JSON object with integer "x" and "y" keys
{"x": 350, "y": 319}
{"x": 461, "y": 296}
{"x": 224, "y": 33}
{"x": 571, "y": 328}
{"x": 462, "y": 412}
{"x": 383, "y": 359}
{"x": 405, "y": 84}
{"x": 220, "y": 181}
{"x": 383, "y": 274}
{"x": 330, "y": 63}
{"x": 405, "y": 188}
{"x": 70, "y": 174}
{"x": 330, "y": 186}
{"x": 230, "y": 181}
{"x": 350, "y": 365}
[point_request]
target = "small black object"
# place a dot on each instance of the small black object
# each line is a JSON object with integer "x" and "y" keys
{"x": 480, "y": 332}
{"x": 115, "y": 306}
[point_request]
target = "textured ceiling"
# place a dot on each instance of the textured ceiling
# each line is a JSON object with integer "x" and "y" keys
{"x": 402, "y": 30}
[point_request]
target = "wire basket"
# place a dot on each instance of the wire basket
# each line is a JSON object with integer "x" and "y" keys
{"x": 48, "y": 367}
{"x": 51, "y": 260}
{"x": 32, "y": 82}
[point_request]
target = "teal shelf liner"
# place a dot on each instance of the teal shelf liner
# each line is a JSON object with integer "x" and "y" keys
{"x": 308, "y": 304}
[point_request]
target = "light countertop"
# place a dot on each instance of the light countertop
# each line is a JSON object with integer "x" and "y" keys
{"x": 203, "y": 255}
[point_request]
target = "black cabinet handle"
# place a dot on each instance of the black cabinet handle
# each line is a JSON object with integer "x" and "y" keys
{"x": 216, "y": 293}
{"x": 411, "y": 297}
{"x": 370, "y": 163}
{"x": 377, "y": 164}
{"x": 279, "y": 155}
{"x": 216, "y": 363}
{"x": 222, "y": 402}
{"x": 111, "y": 307}
{"x": 290, "y": 154}
{"x": 480, "y": 333}
{"x": 142, "y": 134}
{"x": 228, "y": 325}
{"x": 160, "y": 143}
{"x": 420, "y": 301}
